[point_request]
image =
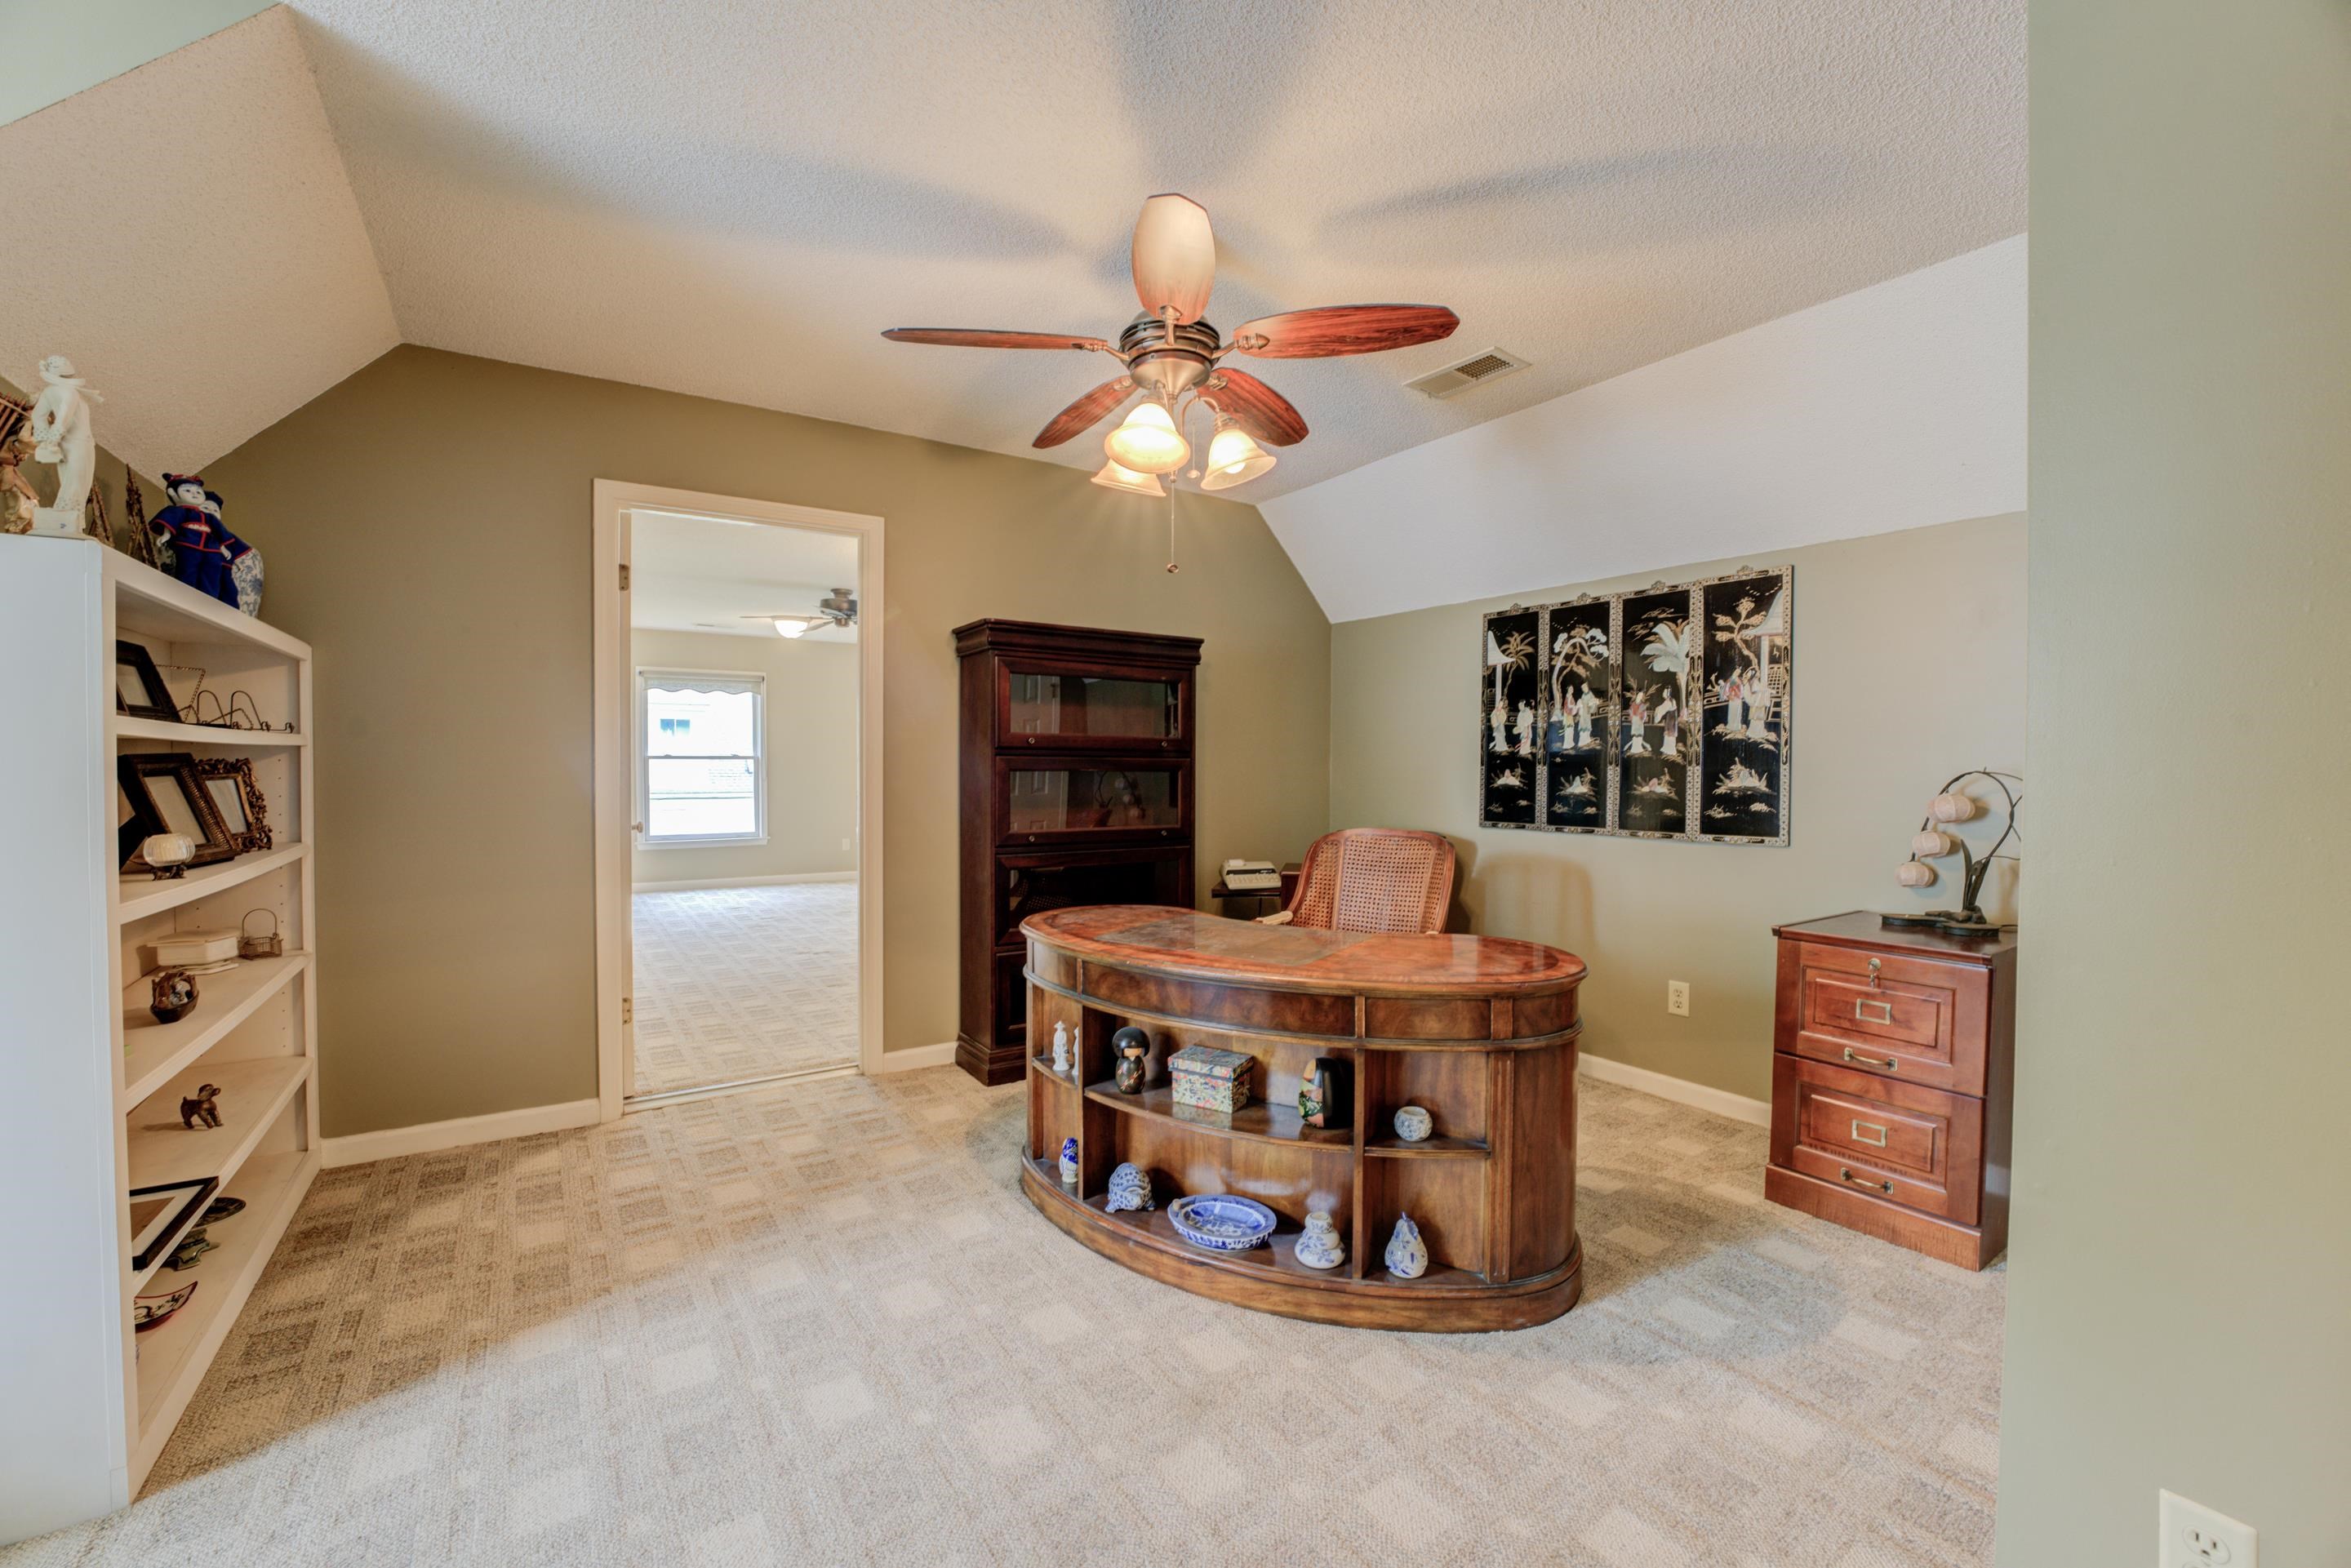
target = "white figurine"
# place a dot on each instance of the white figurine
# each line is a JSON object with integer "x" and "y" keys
{"x": 1062, "y": 1049}
{"x": 60, "y": 427}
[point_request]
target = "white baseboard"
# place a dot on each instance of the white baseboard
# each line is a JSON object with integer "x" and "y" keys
{"x": 1681, "y": 1091}
{"x": 431, "y": 1137}
{"x": 907, "y": 1061}
{"x": 743, "y": 881}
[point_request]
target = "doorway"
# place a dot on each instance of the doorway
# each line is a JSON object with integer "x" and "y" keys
{"x": 738, "y": 792}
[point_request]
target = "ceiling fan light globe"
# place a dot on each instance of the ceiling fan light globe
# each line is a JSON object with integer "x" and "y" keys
{"x": 1148, "y": 443}
{"x": 1115, "y": 478}
{"x": 1234, "y": 458}
{"x": 788, "y": 627}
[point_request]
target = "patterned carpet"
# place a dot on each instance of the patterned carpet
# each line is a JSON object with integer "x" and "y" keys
{"x": 738, "y": 982}
{"x": 816, "y": 1323}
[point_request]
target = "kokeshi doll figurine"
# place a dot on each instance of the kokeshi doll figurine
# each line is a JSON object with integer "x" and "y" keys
{"x": 1134, "y": 1065}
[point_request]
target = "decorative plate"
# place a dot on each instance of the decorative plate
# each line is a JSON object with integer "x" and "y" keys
{"x": 1221, "y": 1222}
{"x": 150, "y": 1311}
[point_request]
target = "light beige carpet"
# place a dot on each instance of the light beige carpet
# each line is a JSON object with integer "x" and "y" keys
{"x": 817, "y": 1323}
{"x": 739, "y": 983}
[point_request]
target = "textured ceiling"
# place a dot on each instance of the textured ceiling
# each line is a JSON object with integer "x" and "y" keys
{"x": 732, "y": 199}
{"x": 185, "y": 234}
{"x": 704, "y": 574}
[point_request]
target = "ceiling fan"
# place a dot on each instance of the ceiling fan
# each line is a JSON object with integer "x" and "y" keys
{"x": 838, "y": 608}
{"x": 1176, "y": 359}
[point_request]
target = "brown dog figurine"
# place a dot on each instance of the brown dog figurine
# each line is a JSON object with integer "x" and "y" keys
{"x": 199, "y": 1107}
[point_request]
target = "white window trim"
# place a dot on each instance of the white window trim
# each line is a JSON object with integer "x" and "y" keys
{"x": 652, "y": 674}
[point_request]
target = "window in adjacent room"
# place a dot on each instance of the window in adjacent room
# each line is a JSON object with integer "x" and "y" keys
{"x": 702, "y": 770}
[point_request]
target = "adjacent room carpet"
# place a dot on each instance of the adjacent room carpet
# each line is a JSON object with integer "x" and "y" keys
{"x": 739, "y": 983}
{"x": 816, "y": 1323}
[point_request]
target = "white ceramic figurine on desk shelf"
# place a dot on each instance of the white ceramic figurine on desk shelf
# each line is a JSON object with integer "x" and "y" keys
{"x": 1062, "y": 1049}
{"x": 1069, "y": 1162}
{"x": 59, "y": 424}
{"x": 1319, "y": 1246}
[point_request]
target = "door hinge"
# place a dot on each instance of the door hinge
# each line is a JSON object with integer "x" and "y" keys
{"x": 628, "y": 1010}
{"x": 625, "y": 577}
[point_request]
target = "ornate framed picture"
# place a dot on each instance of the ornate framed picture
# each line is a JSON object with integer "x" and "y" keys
{"x": 228, "y": 781}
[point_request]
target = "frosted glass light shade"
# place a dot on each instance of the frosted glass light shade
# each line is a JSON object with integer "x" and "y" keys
{"x": 1148, "y": 441}
{"x": 1931, "y": 843}
{"x": 788, "y": 627}
{"x": 1233, "y": 458}
{"x": 1114, "y": 477}
{"x": 1952, "y": 807}
{"x": 1915, "y": 873}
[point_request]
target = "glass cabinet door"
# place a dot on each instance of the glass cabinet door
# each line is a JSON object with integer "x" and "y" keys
{"x": 1059, "y": 708}
{"x": 1084, "y": 799}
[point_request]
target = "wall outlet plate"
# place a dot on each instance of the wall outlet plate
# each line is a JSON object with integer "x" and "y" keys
{"x": 1678, "y": 998}
{"x": 2194, "y": 1536}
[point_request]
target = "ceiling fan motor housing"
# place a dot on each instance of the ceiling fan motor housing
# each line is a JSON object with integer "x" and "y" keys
{"x": 1165, "y": 367}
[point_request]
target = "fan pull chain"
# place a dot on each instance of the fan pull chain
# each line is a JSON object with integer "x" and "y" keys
{"x": 1172, "y": 567}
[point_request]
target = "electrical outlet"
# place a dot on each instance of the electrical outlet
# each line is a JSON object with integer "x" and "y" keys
{"x": 2195, "y": 1536}
{"x": 1678, "y": 998}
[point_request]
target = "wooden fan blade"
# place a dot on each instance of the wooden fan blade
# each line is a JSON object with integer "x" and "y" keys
{"x": 1088, "y": 410}
{"x": 1332, "y": 330}
{"x": 982, "y": 337}
{"x": 1261, "y": 410}
{"x": 1175, "y": 257}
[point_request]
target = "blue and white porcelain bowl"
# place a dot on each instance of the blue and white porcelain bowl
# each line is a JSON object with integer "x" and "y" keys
{"x": 1221, "y": 1222}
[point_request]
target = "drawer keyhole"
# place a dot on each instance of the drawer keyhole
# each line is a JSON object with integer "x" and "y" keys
{"x": 1861, "y": 1133}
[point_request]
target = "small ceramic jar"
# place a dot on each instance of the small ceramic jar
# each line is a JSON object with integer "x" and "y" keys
{"x": 1069, "y": 1162}
{"x": 1412, "y": 1124}
{"x": 1130, "y": 1188}
{"x": 1319, "y": 1246}
{"x": 1407, "y": 1254}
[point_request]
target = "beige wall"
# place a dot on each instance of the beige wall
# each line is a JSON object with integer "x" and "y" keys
{"x": 427, "y": 527}
{"x": 811, "y": 738}
{"x": 1909, "y": 667}
{"x": 2179, "y": 1280}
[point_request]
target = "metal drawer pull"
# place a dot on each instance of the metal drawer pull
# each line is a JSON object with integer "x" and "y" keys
{"x": 1861, "y": 1137}
{"x": 1884, "y": 1010}
{"x": 1885, "y": 1187}
{"x": 1853, "y": 1055}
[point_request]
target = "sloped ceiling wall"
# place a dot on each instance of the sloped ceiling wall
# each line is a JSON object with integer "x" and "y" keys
{"x": 186, "y": 235}
{"x": 731, "y": 201}
{"x": 1898, "y": 407}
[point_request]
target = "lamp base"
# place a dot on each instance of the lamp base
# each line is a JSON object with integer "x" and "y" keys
{"x": 1927, "y": 920}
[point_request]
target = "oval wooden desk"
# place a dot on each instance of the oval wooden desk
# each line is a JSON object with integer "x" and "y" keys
{"x": 1479, "y": 1030}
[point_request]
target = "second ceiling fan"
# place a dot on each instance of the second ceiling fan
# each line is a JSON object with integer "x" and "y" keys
{"x": 1176, "y": 359}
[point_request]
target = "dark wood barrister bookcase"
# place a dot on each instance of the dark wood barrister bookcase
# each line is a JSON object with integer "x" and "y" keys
{"x": 1077, "y": 787}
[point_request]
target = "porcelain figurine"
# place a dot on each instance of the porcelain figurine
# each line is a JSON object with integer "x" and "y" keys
{"x": 1325, "y": 1090}
{"x": 1412, "y": 1124}
{"x": 1069, "y": 1162}
{"x": 1062, "y": 1049}
{"x": 59, "y": 425}
{"x": 199, "y": 1109}
{"x": 1319, "y": 1246}
{"x": 1133, "y": 1066}
{"x": 1407, "y": 1254}
{"x": 1130, "y": 1188}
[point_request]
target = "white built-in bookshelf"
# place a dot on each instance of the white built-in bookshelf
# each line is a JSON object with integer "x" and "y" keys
{"x": 90, "y": 1103}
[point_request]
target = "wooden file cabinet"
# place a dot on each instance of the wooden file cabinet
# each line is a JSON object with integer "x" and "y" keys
{"x": 1892, "y": 1076}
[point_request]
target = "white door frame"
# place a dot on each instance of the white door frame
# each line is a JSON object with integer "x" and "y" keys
{"x": 615, "y": 768}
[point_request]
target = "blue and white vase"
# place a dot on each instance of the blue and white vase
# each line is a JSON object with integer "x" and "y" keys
{"x": 1412, "y": 1124}
{"x": 1069, "y": 1162}
{"x": 1319, "y": 1246}
{"x": 1130, "y": 1188}
{"x": 1407, "y": 1254}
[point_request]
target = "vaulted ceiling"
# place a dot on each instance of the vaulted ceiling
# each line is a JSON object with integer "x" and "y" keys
{"x": 732, "y": 200}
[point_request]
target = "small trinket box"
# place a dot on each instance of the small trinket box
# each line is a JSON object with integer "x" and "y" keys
{"x": 1207, "y": 1078}
{"x": 183, "y": 948}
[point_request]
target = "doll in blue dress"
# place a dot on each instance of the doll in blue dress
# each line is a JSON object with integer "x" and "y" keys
{"x": 204, "y": 554}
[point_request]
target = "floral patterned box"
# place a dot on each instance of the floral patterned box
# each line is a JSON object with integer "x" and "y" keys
{"x": 1207, "y": 1078}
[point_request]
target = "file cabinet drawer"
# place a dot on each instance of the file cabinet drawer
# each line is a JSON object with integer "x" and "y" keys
{"x": 1916, "y": 1147}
